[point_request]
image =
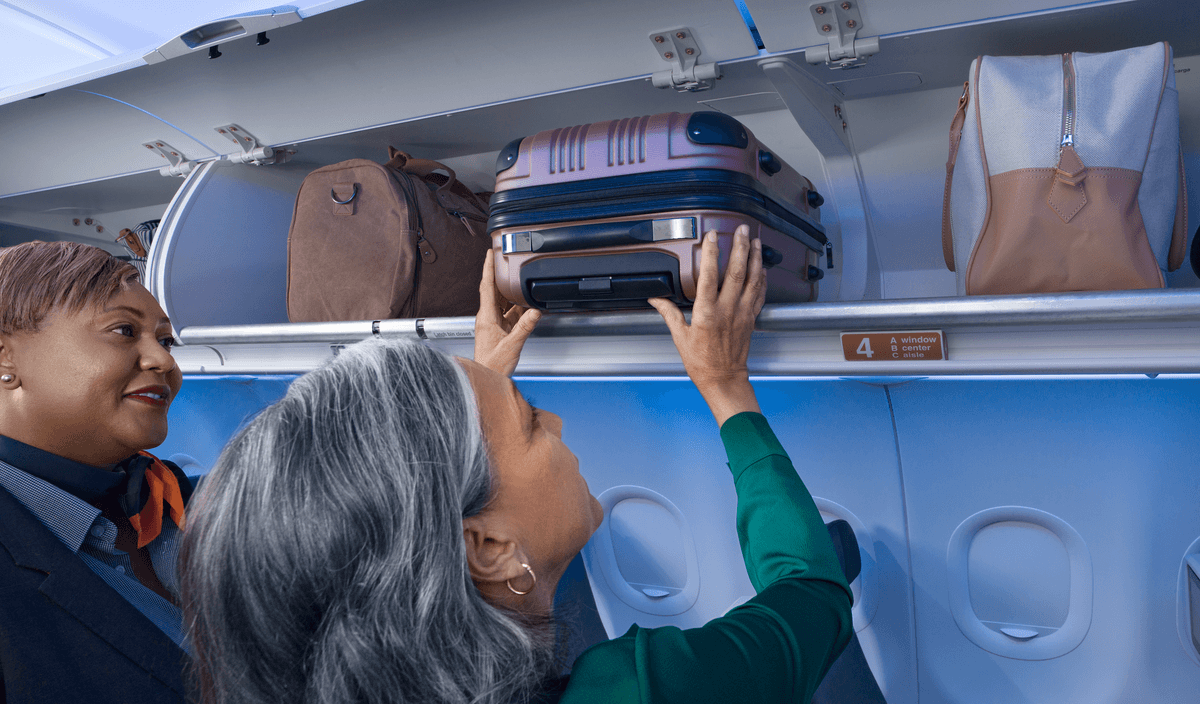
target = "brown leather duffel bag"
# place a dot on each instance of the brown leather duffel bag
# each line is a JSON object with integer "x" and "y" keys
{"x": 372, "y": 241}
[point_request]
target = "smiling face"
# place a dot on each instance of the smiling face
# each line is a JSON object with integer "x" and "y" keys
{"x": 540, "y": 500}
{"x": 92, "y": 386}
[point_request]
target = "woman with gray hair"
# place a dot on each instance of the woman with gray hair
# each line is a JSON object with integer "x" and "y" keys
{"x": 394, "y": 528}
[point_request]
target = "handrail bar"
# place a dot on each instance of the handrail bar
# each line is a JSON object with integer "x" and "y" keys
{"x": 1034, "y": 309}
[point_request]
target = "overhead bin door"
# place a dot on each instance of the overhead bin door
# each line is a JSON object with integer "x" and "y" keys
{"x": 929, "y": 43}
{"x": 785, "y": 25}
{"x": 73, "y": 136}
{"x": 381, "y": 62}
{"x": 51, "y": 44}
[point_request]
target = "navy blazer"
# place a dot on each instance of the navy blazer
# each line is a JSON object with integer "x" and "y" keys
{"x": 65, "y": 635}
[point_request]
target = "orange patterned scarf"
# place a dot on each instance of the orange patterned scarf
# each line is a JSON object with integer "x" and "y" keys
{"x": 163, "y": 487}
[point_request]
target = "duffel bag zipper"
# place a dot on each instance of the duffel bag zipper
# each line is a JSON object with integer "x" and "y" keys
{"x": 463, "y": 217}
{"x": 415, "y": 223}
{"x": 1068, "y": 114}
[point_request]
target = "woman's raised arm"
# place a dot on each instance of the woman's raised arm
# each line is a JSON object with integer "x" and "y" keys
{"x": 715, "y": 346}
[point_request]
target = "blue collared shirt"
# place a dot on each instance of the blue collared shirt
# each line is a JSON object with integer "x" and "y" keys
{"x": 81, "y": 527}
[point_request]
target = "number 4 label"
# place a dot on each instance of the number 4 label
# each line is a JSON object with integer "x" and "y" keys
{"x": 899, "y": 346}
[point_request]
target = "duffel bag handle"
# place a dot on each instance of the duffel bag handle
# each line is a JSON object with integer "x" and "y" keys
{"x": 425, "y": 168}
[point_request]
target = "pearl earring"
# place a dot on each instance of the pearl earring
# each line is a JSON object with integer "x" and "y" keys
{"x": 6, "y": 378}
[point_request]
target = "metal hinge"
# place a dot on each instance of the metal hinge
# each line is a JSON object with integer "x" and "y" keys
{"x": 840, "y": 22}
{"x": 252, "y": 152}
{"x": 179, "y": 164}
{"x": 679, "y": 48}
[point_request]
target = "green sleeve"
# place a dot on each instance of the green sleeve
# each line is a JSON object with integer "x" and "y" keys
{"x": 779, "y": 527}
{"x": 776, "y": 647}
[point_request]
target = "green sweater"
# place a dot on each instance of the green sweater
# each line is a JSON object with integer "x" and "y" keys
{"x": 774, "y": 648}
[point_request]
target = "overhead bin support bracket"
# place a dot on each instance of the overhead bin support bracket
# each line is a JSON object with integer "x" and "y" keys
{"x": 679, "y": 48}
{"x": 179, "y": 164}
{"x": 223, "y": 30}
{"x": 252, "y": 152}
{"x": 821, "y": 115}
{"x": 840, "y": 21}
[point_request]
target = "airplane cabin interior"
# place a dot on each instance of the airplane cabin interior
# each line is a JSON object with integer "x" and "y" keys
{"x": 1026, "y": 503}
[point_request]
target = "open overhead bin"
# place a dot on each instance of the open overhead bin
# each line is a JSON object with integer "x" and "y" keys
{"x": 458, "y": 81}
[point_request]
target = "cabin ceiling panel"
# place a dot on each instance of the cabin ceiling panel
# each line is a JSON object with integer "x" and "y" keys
{"x": 378, "y": 63}
{"x": 54, "y": 43}
{"x": 32, "y": 48}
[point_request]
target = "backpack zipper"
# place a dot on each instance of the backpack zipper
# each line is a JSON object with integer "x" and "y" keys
{"x": 1068, "y": 115}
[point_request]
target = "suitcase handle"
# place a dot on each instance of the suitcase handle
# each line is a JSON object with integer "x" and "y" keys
{"x": 593, "y": 235}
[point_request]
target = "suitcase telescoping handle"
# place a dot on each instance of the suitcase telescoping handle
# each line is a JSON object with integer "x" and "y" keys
{"x": 593, "y": 235}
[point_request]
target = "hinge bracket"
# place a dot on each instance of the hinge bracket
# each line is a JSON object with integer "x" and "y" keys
{"x": 679, "y": 48}
{"x": 840, "y": 21}
{"x": 252, "y": 152}
{"x": 179, "y": 164}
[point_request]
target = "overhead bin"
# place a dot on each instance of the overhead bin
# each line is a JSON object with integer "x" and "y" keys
{"x": 349, "y": 83}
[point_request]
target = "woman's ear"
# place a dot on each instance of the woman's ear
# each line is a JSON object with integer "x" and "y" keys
{"x": 492, "y": 554}
{"x": 8, "y": 368}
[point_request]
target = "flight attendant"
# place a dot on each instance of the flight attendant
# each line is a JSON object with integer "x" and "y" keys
{"x": 89, "y": 522}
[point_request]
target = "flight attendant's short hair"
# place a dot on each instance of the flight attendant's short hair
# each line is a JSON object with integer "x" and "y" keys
{"x": 37, "y": 278}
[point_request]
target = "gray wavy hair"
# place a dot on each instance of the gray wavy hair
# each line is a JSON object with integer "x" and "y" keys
{"x": 324, "y": 560}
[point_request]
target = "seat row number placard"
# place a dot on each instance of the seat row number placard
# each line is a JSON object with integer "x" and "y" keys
{"x": 899, "y": 346}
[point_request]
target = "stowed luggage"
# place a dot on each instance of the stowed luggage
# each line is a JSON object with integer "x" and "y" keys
{"x": 1065, "y": 174}
{"x": 606, "y": 215}
{"x": 370, "y": 241}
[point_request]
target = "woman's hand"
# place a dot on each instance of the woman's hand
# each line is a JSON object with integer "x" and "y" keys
{"x": 715, "y": 346}
{"x": 499, "y": 336}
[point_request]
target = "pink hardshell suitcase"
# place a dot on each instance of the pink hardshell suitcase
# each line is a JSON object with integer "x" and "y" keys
{"x": 606, "y": 215}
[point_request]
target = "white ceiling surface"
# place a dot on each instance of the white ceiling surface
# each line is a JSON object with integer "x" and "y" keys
{"x": 53, "y": 43}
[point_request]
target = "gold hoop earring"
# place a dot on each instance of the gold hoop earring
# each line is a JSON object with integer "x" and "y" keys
{"x": 508, "y": 582}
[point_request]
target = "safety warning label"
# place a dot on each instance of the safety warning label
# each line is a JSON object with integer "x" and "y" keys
{"x": 893, "y": 346}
